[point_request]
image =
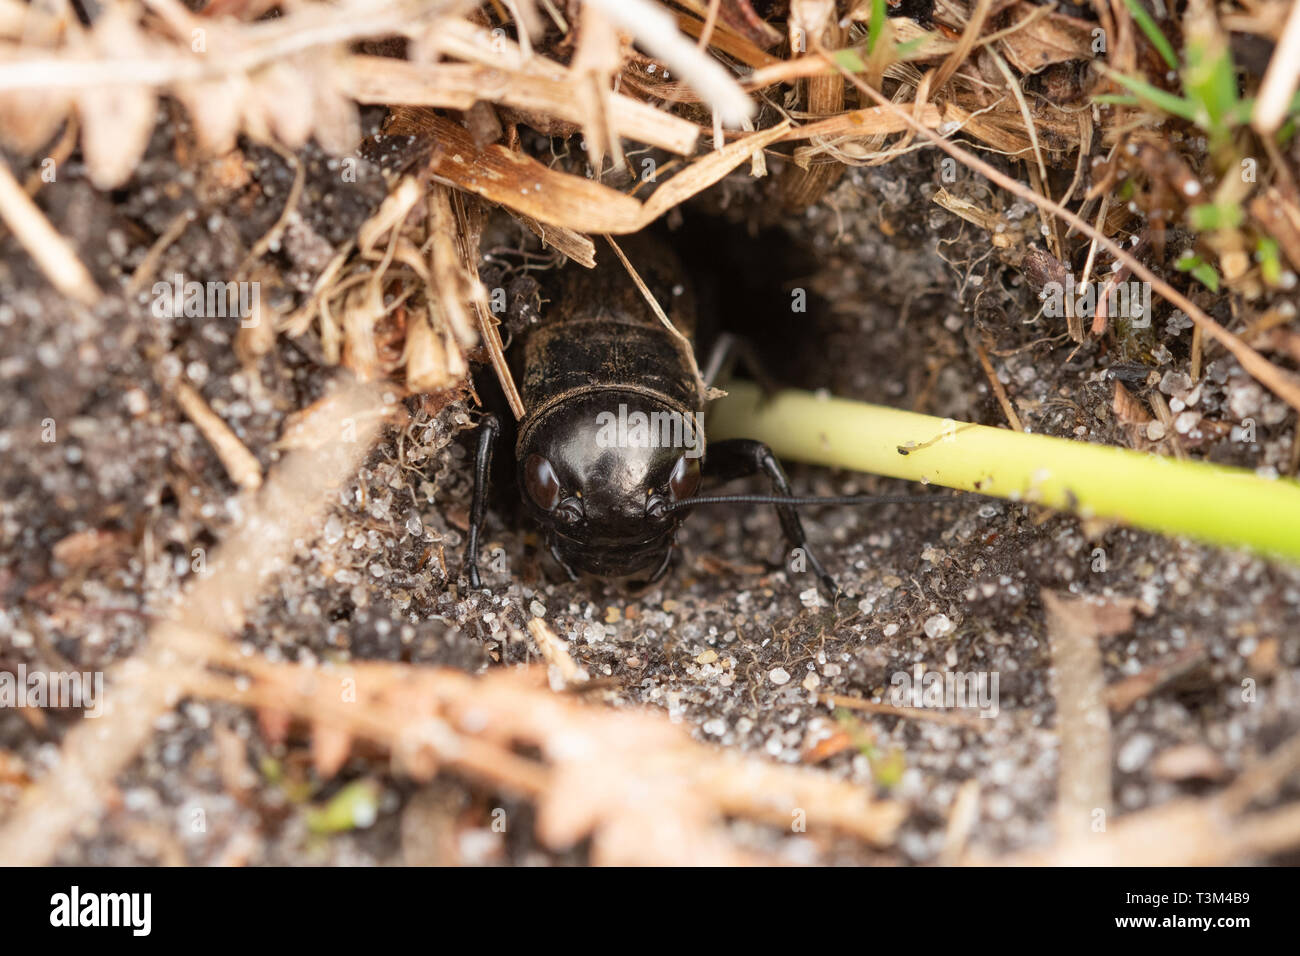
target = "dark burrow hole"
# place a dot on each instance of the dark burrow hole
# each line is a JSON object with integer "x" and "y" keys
{"x": 757, "y": 283}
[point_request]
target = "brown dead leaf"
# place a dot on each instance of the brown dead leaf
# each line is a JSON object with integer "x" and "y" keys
{"x": 1127, "y": 408}
{"x": 836, "y": 743}
{"x": 526, "y": 186}
{"x": 523, "y": 184}
{"x": 1054, "y": 38}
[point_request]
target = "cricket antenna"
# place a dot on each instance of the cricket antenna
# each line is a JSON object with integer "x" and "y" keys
{"x": 798, "y": 500}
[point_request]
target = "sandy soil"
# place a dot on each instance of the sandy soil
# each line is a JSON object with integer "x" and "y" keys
{"x": 731, "y": 644}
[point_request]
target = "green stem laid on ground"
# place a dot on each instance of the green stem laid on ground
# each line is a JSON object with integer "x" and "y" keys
{"x": 1230, "y": 506}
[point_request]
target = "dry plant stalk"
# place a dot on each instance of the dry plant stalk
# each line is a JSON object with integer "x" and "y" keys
{"x": 240, "y": 463}
{"x": 149, "y": 683}
{"x": 637, "y": 785}
{"x": 1213, "y": 831}
{"x": 43, "y": 243}
{"x": 1074, "y": 627}
{"x": 529, "y": 188}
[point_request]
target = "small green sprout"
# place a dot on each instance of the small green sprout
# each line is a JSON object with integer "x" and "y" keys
{"x": 1200, "y": 269}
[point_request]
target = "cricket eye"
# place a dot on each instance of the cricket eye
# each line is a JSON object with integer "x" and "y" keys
{"x": 541, "y": 482}
{"x": 685, "y": 479}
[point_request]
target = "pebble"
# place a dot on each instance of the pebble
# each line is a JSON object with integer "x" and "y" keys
{"x": 779, "y": 676}
{"x": 938, "y": 625}
{"x": 1135, "y": 752}
{"x": 1186, "y": 422}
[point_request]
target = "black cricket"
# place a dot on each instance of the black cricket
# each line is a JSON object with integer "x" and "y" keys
{"x": 602, "y": 352}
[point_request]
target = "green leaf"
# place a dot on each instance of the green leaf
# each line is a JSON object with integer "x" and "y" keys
{"x": 888, "y": 770}
{"x": 1210, "y": 81}
{"x": 1270, "y": 263}
{"x": 1208, "y": 275}
{"x": 1152, "y": 32}
{"x": 1200, "y": 269}
{"x": 1211, "y": 216}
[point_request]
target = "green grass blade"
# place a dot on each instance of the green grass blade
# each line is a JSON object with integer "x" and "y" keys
{"x": 876, "y": 26}
{"x": 1174, "y": 105}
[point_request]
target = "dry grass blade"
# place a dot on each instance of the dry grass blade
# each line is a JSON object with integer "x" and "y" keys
{"x": 1275, "y": 379}
{"x": 913, "y": 713}
{"x": 970, "y": 36}
{"x": 656, "y": 29}
{"x": 683, "y": 343}
{"x": 1281, "y": 79}
{"x": 524, "y": 185}
{"x": 458, "y": 292}
{"x": 573, "y": 244}
{"x": 373, "y": 79}
{"x": 272, "y": 79}
{"x": 738, "y": 47}
{"x": 546, "y": 86}
{"x": 43, "y": 243}
{"x": 704, "y": 172}
{"x": 597, "y": 61}
{"x": 999, "y": 390}
{"x": 562, "y": 668}
{"x": 872, "y": 121}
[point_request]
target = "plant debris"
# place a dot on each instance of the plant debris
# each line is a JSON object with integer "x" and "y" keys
{"x": 253, "y": 253}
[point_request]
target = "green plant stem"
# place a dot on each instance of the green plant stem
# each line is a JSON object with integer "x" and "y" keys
{"x": 1228, "y": 506}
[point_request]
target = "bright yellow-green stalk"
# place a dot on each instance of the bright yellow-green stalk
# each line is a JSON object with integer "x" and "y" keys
{"x": 1222, "y": 505}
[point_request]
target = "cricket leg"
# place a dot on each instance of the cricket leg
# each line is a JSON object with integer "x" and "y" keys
{"x": 739, "y": 457}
